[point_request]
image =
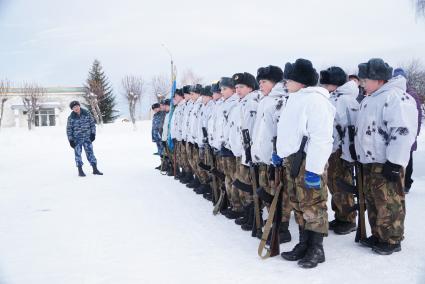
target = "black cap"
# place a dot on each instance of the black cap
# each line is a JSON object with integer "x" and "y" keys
{"x": 215, "y": 88}
{"x": 73, "y": 104}
{"x": 375, "y": 69}
{"x": 246, "y": 79}
{"x": 186, "y": 89}
{"x": 206, "y": 91}
{"x": 227, "y": 82}
{"x": 155, "y": 105}
{"x": 301, "y": 71}
{"x": 333, "y": 76}
{"x": 271, "y": 73}
{"x": 196, "y": 88}
{"x": 178, "y": 92}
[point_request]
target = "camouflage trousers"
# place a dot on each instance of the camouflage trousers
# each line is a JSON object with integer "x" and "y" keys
{"x": 264, "y": 182}
{"x": 219, "y": 166}
{"x": 309, "y": 205}
{"x": 385, "y": 203}
{"x": 88, "y": 148}
{"x": 342, "y": 202}
{"x": 199, "y": 155}
{"x": 243, "y": 175}
{"x": 186, "y": 154}
{"x": 228, "y": 166}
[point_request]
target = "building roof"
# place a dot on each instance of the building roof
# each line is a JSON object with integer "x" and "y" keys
{"x": 51, "y": 91}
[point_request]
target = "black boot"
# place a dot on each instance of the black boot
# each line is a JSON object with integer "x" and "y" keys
{"x": 170, "y": 170}
{"x": 234, "y": 214}
{"x": 194, "y": 183}
{"x": 385, "y": 248}
{"x": 344, "y": 228}
{"x": 315, "y": 253}
{"x": 201, "y": 189}
{"x": 284, "y": 234}
{"x": 300, "y": 249}
{"x": 370, "y": 242}
{"x": 158, "y": 168}
{"x": 96, "y": 171}
{"x": 188, "y": 178}
{"x": 80, "y": 171}
{"x": 178, "y": 173}
{"x": 242, "y": 220}
{"x": 334, "y": 223}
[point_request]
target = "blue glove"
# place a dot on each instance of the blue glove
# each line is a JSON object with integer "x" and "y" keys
{"x": 276, "y": 160}
{"x": 311, "y": 180}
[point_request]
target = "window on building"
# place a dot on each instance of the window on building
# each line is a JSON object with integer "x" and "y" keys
{"x": 45, "y": 117}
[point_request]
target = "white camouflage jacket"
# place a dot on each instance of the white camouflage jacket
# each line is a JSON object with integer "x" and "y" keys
{"x": 265, "y": 127}
{"x": 204, "y": 117}
{"x": 194, "y": 121}
{"x": 212, "y": 125}
{"x": 242, "y": 117}
{"x": 347, "y": 107}
{"x": 177, "y": 121}
{"x": 222, "y": 134}
{"x": 308, "y": 112}
{"x": 185, "y": 121}
{"x": 387, "y": 125}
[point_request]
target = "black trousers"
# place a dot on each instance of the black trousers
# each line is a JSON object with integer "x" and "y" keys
{"x": 409, "y": 170}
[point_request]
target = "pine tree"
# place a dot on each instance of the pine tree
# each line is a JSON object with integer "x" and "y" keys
{"x": 97, "y": 84}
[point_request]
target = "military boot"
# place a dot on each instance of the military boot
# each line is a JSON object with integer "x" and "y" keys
{"x": 370, "y": 242}
{"x": 242, "y": 220}
{"x": 96, "y": 171}
{"x": 300, "y": 249}
{"x": 315, "y": 253}
{"x": 80, "y": 171}
{"x": 385, "y": 248}
{"x": 284, "y": 234}
{"x": 188, "y": 178}
{"x": 344, "y": 228}
{"x": 194, "y": 183}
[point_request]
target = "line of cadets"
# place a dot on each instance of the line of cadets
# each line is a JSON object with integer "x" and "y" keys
{"x": 209, "y": 151}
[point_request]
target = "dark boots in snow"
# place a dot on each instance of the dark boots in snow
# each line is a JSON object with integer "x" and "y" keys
{"x": 80, "y": 171}
{"x": 300, "y": 249}
{"x": 315, "y": 253}
{"x": 96, "y": 171}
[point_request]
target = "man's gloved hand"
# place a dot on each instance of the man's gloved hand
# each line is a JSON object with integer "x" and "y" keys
{"x": 391, "y": 171}
{"x": 92, "y": 137}
{"x": 311, "y": 180}
{"x": 276, "y": 160}
{"x": 72, "y": 143}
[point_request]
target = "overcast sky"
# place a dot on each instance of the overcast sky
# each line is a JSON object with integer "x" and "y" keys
{"x": 54, "y": 42}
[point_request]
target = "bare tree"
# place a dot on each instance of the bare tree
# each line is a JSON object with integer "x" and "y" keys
{"x": 4, "y": 90}
{"x": 161, "y": 86}
{"x": 420, "y": 8}
{"x": 134, "y": 89}
{"x": 93, "y": 91}
{"x": 415, "y": 72}
{"x": 190, "y": 78}
{"x": 31, "y": 96}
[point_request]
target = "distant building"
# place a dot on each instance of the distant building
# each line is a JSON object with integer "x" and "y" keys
{"x": 53, "y": 107}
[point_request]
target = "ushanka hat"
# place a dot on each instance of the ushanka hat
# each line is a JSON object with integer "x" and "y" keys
{"x": 73, "y": 104}
{"x": 301, "y": 71}
{"x": 246, "y": 79}
{"x": 333, "y": 76}
{"x": 375, "y": 69}
{"x": 271, "y": 73}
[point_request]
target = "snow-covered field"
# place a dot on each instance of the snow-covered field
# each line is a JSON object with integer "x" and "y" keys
{"x": 134, "y": 225}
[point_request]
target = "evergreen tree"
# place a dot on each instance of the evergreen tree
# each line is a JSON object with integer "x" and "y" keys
{"x": 98, "y": 84}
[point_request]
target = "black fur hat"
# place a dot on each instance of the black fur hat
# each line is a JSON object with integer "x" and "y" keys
{"x": 301, "y": 71}
{"x": 215, "y": 87}
{"x": 271, "y": 73}
{"x": 375, "y": 69}
{"x": 245, "y": 79}
{"x": 178, "y": 92}
{"x": 227, "y": 82}
{"x": 333, "y": 76}
{"x": 196, "y": 88}
{"x": 186, "y": 89}
{"x": 155, "y": 105}
{"x": 73, "y": 104}
{"x": 206, "y": 91}
{"x": 166, "y": 102}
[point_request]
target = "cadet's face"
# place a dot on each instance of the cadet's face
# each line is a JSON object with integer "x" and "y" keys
{"x": 186, "y": 96}
{"x": 155, "y": 110}
{"x": 266, "y": 86}
{"x": 76, "y": 109}
{"x": 216, "y": 96}
{"x": 293, "y": 86}
{"x": 162, "y": 107}
{"x": 206, "y": 99}
{"x": 227, "y": 92}
{"x": 243, "y": 90}
{"x": 194, "y": 96}
{"x": 167, "y": 108}
{"x": 372, "y": 86}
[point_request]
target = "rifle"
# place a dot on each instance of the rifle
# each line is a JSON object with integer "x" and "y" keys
{"x": 210, "y": 164}
{"x": 258, "y": 222}
{"x": 357, "y": 187}
{"x": 275, "y": 217}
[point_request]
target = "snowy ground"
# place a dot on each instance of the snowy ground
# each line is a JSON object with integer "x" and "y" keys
{"x": 133, "y": 225}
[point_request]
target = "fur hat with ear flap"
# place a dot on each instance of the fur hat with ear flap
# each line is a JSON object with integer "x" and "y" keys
{"x": 73, "y": 104}
{"x": 375, "y": 69}
{"x": 333, "y": 76}
{"x": 246, "y": 79}
{"x": 206, "y": 91}
{"x": 227, "y": 82}
{"x": 186, "y": 89}
{"x": 271, "y": 73}
{"x": 196, "y": 88}
{"x": 178, "y": 92}
{"x": 215, "y": 88}
{"x": 301, "y": 71}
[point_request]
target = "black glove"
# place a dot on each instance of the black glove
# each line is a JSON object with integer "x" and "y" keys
{"x": 391, "y": 171}
{"x": 72, "y": 143}
{"x": 92, "y": 137}
{"x": 353, "y": 153}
